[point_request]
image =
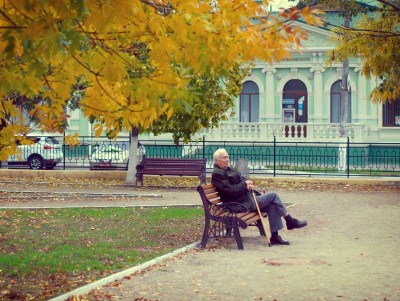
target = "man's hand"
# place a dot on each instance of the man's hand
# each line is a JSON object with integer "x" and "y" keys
{"x": 249, "y": 185}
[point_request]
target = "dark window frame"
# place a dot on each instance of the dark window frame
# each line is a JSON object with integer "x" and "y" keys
{"x": 247, "y": 97}
{"x": 389, "y": 113}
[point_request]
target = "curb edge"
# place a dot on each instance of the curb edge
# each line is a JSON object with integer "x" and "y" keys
{"x": 101, "y": 282}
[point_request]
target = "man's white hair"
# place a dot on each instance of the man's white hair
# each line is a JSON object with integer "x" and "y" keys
{"x": 218, "y": 152}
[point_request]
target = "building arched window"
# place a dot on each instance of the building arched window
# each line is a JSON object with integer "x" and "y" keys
{"x": 336, "y": 96}
{"x": 249, "y": 102}
{"x": 294, "y": 102}
{"x": 391, "y": 113}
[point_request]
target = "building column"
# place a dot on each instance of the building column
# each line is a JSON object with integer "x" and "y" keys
{"x": 270, "y": 113}
{"x": 362, "y": 96}
{"x": 318, "y": 94}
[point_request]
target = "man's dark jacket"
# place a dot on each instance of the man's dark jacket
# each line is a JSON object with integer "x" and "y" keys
{"x": 231, "y": 186}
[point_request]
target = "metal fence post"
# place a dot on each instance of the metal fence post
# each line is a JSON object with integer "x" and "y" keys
{"x": 204, "y": 147}
{"x": 64, "y": 146}
{"x": 274, "y": 156}
{"x": 348, "y": 157}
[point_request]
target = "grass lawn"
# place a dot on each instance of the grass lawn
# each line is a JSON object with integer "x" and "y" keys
{"x": 48, "y": 252}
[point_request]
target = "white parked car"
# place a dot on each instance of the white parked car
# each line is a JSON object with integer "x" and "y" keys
{"x": 111, "y": 155}
{"x": 45, "y": 152}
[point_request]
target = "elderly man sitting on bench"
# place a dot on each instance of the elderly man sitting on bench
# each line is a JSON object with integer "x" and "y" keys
{"x": 233, "y": 187}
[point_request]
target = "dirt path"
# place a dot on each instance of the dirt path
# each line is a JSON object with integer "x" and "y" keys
{"x": 349, "y": 251}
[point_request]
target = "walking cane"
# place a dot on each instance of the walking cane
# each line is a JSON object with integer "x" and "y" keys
{"x": 261, "y": 218}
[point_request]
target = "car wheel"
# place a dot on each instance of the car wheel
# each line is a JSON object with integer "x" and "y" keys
{"x": 35, "y": 162}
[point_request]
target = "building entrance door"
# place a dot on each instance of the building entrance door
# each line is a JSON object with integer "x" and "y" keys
{"x": 295, "y": 107}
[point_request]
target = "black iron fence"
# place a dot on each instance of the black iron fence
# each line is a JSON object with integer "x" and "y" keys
{"x": 342, "y": 159}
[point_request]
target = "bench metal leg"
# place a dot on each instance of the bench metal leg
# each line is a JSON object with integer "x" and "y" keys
{"x": 228, "y": 232}
{"x": 204, "y": 240}
{"x": 206, "y": 233}
{"x": 139, "y": 179}
{"x": 202, "y": 178}
{"x": 238, "y": 238}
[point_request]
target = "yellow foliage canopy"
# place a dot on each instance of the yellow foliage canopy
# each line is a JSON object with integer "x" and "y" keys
{"x": 134, "y": 54}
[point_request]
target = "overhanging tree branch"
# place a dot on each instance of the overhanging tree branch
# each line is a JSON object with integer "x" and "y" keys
{"x": 391, "y": 4}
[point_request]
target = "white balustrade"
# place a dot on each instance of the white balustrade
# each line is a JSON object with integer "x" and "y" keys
{"x": 307, "y": 132}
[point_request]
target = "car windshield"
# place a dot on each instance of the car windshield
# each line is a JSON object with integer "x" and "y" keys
{"x": 48, "y": 140}
{"x": 52, "y": 140}
{"x": 114, "y": 147}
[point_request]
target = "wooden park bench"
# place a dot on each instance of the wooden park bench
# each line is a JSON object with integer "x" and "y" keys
{"x": 222, "y": 218}
{"x": 171, "y": 167}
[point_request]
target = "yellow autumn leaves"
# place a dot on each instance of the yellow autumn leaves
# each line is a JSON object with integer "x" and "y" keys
{"x": 137, "y": 56}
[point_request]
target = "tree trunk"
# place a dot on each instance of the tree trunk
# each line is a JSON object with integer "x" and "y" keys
{"x": 133, "y": 157}
{"x": 344, "y": 99}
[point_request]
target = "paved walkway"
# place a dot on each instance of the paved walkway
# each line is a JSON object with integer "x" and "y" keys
{"x": 349, "y": 251}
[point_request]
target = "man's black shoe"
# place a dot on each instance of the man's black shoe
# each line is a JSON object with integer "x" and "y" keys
{"x": 295, "y": 224}
{"x": 277, "y": 240}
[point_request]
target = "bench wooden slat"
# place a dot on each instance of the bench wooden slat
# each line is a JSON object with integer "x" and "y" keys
{"x": 212, "y": 196}
{"x": 173, "y": 166}
{"x": 207, "y": 187}
{"x": 252, "y": 219}
{"x": 246, "y": 215}
{"x": 176, "y": 166}
{"x": 215, "y": 201}
{"x": 170, "y": 172}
